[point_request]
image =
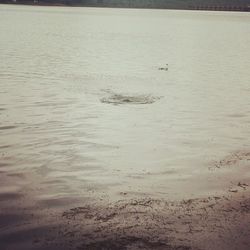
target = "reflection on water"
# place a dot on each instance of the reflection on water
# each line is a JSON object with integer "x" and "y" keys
{"x": 59, "y": 142}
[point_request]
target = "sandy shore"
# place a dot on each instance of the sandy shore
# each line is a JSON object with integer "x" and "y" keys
{"x": 213, "y": 222}
{"x": 209, "y": 223}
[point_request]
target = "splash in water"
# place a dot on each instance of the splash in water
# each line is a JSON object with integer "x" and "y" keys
{"x": 118, "y": 99}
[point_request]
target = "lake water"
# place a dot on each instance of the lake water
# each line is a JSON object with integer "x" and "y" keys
{"x": 121, "y": 102}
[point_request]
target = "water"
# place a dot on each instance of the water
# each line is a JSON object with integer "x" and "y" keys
{"x": 88, "y": 107}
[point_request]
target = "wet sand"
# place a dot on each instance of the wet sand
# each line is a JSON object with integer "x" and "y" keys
{"x": 212, "y": 222}
{"x": 209, "y": 223}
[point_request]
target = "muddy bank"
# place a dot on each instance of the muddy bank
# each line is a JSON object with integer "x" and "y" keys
{"x": 209, "y": 223}
{"x": 216, "y": 222}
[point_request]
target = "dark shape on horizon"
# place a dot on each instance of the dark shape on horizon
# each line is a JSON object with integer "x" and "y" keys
{"x": 215, "y": 5}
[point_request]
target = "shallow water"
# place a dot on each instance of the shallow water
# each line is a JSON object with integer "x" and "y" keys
{"x": 61, "y": 68}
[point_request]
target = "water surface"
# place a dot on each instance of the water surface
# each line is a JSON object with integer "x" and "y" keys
{"x": 86, "y": 108}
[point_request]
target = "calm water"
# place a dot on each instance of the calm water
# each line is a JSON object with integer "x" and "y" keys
{"x": 61, "y": 69}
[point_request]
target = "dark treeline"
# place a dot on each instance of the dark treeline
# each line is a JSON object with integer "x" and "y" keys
{"x": 233, "y": 5}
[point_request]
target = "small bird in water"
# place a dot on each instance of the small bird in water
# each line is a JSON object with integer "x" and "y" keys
{"x": 164, "y": 68}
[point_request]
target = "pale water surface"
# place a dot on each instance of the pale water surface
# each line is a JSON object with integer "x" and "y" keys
{"x": 85, "y": 110}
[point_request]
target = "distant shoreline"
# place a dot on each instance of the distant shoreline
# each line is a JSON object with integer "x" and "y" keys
{"x": 200, "y": 8}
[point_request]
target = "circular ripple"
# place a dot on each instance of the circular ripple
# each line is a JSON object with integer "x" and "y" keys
{"x": 118, "y": 99}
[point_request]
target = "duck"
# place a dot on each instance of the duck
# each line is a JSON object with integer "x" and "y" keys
{"x": 164, "y": 68}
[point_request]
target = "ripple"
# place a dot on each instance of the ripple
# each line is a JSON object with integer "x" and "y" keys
{"x": 7, "y": 127}
{"x": 118, "y": 99}
{"x": 237, "y": 115}
{"x": 5, "y": 146}
{"x": 4, "y": 164}
{"x": 10, "y": 196}
{"x": 57, "y": 202}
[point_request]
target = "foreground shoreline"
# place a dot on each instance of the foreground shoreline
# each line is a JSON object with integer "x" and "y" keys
{"x": 215, "y": 222}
